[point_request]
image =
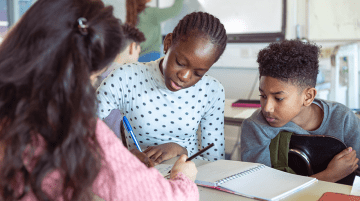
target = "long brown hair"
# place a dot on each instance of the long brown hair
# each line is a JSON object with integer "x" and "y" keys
{"x": 45, "y": 64}
{"x": 133, "y": 8}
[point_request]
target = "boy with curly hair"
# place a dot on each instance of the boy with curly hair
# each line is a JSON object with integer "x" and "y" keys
{"x": 288, "y": 72}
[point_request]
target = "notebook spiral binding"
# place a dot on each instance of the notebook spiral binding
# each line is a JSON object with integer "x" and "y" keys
{"x": 240, "y": 174}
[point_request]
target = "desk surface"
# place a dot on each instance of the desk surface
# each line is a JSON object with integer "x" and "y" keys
{"x": 231, "y": 113}
{"x": 311, "y": 193}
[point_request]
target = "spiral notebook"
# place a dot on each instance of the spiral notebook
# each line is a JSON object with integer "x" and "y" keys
{"x": 251, "y": 180}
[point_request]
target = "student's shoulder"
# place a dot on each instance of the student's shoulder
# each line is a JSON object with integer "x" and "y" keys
{"x": 105, "y": 135}
{"x": 334, "y": 109}
{"x": 210, "y": 79}
{"x": 212, "y": 83}
{"x": 339, "y": 113}
{"x": 129, "y": 68}
{"x": 256, "y": 119}
{"x": 257, "y": 127}
{"x": 135, "y": 65}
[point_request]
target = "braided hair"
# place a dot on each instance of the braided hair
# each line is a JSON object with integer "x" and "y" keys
{"x": 133, "y": 8}
{"x": 202, "y": 23}
{"x": 131, "y": 34}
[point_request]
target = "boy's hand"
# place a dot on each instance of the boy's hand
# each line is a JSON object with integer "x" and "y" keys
{"x": 143, "y": 158}
{"x": 342, "y": 164}
{"x": 164, "y": 152}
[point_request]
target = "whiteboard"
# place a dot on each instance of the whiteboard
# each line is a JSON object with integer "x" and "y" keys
{"x": 334, "y": 20}
{"x": 238, "y": 16}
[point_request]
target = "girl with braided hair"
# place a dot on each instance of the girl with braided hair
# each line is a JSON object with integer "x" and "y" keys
{"x": 148, "y": 20}
{"x": 166, "y": 100}
{"x": 52, "y": 145}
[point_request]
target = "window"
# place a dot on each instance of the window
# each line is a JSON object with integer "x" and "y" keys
{"x": 10, "y": 12}
{"x": 24, "y": 5}
{"x": 3, "y": 19}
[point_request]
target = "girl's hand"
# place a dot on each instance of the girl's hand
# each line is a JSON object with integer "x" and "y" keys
{"x": 340, "y": 166}
{"x": 164, "y": 152}
{"x": 143, "y": 158}
{"x": 187, "y": 168}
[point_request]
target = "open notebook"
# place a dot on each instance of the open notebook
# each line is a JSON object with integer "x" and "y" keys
{"x": 251, "y": 180}
{"x": 164, "y": 169}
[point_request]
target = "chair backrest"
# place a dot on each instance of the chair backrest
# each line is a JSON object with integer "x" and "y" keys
{"x": 311, "y": 154}
{"x": 122, "y": 134}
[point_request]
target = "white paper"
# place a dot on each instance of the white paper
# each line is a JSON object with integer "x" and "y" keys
{"x": 252, "y": 180}
{"x": 356, "y": 186}
{"x": 164, "y": 169}
{"x": 246, "y": 113}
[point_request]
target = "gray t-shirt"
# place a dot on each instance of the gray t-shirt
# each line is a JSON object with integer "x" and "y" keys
{"x": 339, "y": 121}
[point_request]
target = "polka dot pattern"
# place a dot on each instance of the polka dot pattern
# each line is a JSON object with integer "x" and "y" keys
{"x": 161, "y": 116}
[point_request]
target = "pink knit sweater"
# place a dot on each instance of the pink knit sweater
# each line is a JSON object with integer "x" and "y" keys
{"x": 123, "y": 176}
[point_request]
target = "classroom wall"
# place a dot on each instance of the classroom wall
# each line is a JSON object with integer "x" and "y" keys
{"x": 238, "y": 81}
{"x": 237, "y": 69}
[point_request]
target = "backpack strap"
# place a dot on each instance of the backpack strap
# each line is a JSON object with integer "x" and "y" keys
{"x": 279, "y": 150}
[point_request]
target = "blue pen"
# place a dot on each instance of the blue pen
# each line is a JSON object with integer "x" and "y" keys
{"x": 129, "y": 130}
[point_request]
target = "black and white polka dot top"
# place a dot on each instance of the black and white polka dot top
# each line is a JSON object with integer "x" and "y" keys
{"x": 159, "y": 115}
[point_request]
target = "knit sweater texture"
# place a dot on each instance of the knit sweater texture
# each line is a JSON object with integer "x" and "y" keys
{"x": 122, "y": 176}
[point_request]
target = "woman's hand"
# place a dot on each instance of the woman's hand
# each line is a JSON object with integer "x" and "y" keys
{"x": 340, "y": 166}
{"x": 187, "y": 168}
{"x": 164, "y": 152}
{"x": 143, "y": 158}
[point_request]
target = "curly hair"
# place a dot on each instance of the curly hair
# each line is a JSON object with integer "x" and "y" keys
{"x": 133, "y": 9}
{"x": 203, "y": 23}
{"x": 290, "y": 60}
{"x": 45, "y": 93}
{"x": 131, "y": 34}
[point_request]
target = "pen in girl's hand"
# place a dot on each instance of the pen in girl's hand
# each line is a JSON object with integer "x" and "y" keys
{"x": 129, "y": 130}
{"x": 198, "y": 153}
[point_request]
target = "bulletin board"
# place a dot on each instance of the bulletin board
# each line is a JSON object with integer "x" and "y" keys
{"x": 334, "y": 20}
{"x": 244, "y": 20}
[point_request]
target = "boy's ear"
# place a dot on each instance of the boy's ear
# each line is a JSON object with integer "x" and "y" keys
{"x": 310, "y": 94}
{"x": 167, "y": 42}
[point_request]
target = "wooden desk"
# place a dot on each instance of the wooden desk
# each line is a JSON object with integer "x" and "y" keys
{"x": 231, "y": 113}
{"x": 311, "y": 193}
{"x": 231, "y": 117}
